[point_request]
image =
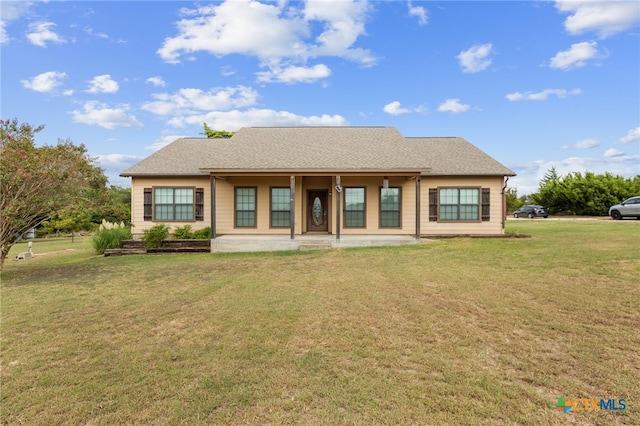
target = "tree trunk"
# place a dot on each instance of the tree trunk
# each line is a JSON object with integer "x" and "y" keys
{"x": 3, "y": 254}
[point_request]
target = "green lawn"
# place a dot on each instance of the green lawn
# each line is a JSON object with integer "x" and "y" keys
{"x": 453, "y": 331}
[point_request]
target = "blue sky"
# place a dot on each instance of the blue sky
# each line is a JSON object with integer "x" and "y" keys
{"x": 535, "y": 84}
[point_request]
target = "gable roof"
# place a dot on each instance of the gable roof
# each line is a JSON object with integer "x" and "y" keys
{"x": 318, "y": 149}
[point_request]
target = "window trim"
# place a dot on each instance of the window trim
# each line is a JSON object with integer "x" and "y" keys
{"x": 364, "y": 209}
{"x": 154, "y": 204}
{"x": 380, "y": 211}
{"x": 255, "y": 207}
{"x": 478, "y": 204}
{"x": 271, "y": 211}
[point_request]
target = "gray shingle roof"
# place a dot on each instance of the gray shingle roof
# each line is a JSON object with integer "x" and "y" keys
{"x": 331, "y": 149}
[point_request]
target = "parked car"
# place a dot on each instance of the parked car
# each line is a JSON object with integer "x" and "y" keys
{"x": 628, "y": 208}
{"x": 531, "y": 211}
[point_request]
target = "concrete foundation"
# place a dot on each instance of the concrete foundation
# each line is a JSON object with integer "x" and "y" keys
{"x": 255, "y": 243}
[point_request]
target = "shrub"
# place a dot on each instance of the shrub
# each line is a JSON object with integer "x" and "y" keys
{"x": 154, "y": 236}
{"x": 109, "y": 235}
{"x": 183, "y": 232}
{"x": 203, "y": 234}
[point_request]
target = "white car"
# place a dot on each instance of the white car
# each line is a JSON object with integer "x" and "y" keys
{"x": 628, "y": 208}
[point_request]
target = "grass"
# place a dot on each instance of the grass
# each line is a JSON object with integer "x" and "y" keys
{"x": 455, "y": 331}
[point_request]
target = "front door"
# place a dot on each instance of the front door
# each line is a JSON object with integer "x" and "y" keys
{"x": 317, "y": 210}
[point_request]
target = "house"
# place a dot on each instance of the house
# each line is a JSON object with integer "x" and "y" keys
{"x": 338, "y": 181}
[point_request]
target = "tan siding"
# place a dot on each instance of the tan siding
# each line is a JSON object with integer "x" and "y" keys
{"x": 491, "y": 227}
{"x": 139, "y": 225}
{"x": 226, "y": 204}
{"x": 372, "y": 194}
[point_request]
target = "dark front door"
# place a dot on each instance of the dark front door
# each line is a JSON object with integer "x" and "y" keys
{"x": 317, "y": 211}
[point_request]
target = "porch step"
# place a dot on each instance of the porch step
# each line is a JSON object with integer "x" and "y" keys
{"x": 315, "y": 245}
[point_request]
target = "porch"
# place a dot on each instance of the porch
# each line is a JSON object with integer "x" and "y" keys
{"x": 256, "y": 243}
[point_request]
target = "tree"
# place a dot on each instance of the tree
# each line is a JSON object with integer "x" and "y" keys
{"x": 38, "y": 182}
{"x": 513, "y": 202}
{"x": 589, "y": 194}
{"x": 216, "y": 134}
{"x": 117, "y": 208}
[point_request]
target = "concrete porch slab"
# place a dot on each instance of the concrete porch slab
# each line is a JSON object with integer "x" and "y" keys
{"x": 256, "y": 243}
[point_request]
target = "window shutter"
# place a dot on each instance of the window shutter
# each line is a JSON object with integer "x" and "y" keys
{"x": 148, "y": 204}
{"x": 433, "y": 204}
{"x": 200, "y": 204}
{"x": 486, "y": 204}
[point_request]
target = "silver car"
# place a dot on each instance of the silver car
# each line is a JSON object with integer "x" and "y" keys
{"x": 628, "y": 208}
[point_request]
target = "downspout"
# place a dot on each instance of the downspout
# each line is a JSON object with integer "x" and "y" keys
{"x": 504, "y": 202}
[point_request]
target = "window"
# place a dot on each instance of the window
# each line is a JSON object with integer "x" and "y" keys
{"x": 173, "y": 204}
{"x": 390, "y": 207}
{"x": 280, "y": 207}
{"x": 245, "y": 207}
{"x": 459, "y": 204}
{"x": 354, "y": 208}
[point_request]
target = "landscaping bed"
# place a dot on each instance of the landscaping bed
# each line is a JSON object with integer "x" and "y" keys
{"x": 168, "y": 246}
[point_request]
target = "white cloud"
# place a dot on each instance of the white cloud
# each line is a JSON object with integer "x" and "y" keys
{"x": 234, "y": 120}
{"x": 117, "y": 159}
{"x": 227, "y": 71}
{"x": 195, "y": 101}
{"x": 294, "y": 74}
{"x": 344, "y": 22}
{"x": 476, "y": 58}
{"x": 612, "y": 152}
{"x": 606, "y": 18}
{"x": 166, "y": 140}
{"x": 454, "y": 106}
{"x": 632, "y": 136}
{"x": 577, "y": 56}
{"x": 103, "y": 84}
{"x": 45, "y": 82}
{"x": 4, "y": 36}
{"x": 41, "y": 33}
{"x": 542, "y": 96}
{"x": 584, "y": 144}
{"x": 275, "y": 33}
{"x": 244, "y": 27}
{"x": 95, "y": 113}
{"x": 394, "y": 108}
{"x": 11, "y": 11}
{"x": 419, "y": 12}
{"x": 156, "y": 81}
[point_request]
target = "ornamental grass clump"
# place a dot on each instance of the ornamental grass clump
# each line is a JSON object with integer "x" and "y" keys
{"x": 109, "y": 236}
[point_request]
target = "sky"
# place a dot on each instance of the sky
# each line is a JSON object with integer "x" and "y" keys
{"x": 534, "y": 84}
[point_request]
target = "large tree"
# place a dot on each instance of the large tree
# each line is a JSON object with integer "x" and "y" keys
{"x": 38, "y": 182}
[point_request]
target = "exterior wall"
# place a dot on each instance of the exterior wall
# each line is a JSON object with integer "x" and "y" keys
{"x": 139, "y": 225}
{"x": 225, "y": 204}
{"x": 492, "y": 227}
{"x": 372, "y": 184}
